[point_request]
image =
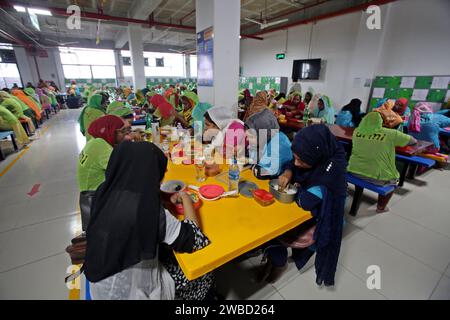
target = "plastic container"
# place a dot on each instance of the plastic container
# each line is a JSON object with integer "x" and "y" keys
{"x": 263, "y": 197}
{"x": 170, "y": 187}
{"x": 197, "y": 202}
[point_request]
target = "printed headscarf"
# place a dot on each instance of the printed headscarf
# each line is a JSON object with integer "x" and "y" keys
{"x": 258, "y": 104}
{"x": 422, "y": 110}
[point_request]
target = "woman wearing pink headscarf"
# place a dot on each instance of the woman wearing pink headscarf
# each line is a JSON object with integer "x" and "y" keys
{"x": 43, "y": 99}
{"x": 425, "y": 125}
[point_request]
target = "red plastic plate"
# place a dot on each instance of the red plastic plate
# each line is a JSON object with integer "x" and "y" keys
{"x": 211, "y": 191}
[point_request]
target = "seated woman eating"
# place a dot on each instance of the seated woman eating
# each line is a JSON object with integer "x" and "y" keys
{"x": 390, "y": 118}
{"x": 106, "y": 132}
{"x": 131, "y": 237}
{"x": 118, "y": 108}
{"x": 294, "y": 105}
{"x": 18, "y": 108}
{"x": 373, "y": 154}
{"x": 401, "y": 108}
{"x": 425, "y": 125}
{"x": 163, "y": 110}
{"x": 268, "y": 148}
{"x": 95, "y": 109}
{"x": 259, "y": 103}
{"x": 319, "y": 169}
{"x": 350, "y": 115}
{"x": 324, "y": 110}
{"x": 189, "y": 101}
{"x": 227, "y": 135}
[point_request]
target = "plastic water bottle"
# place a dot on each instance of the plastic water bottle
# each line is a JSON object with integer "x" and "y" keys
{"x": 233, "y": 177}
{"x": 180, "y": 131}
{"x": 306, "y": 116}
{"x": 155, "y": 133}
{"x": 148, "y": 121}
{"x": 165, "y": 147}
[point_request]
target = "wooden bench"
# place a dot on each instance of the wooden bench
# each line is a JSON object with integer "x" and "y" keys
{"x": 360, "y": 185}
{"x": 412, "y": 162}
{"x": 3, "y": 135}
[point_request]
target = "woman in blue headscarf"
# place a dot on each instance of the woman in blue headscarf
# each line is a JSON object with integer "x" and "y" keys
{"x": 319, "y": 167}
{"x": 324, "y": 110}
{"x": 350, "y": 115}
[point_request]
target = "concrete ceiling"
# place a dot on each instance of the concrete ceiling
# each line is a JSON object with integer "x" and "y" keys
{"x": 173, "y": 12}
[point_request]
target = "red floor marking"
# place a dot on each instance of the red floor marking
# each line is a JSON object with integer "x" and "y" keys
{"x": 34, "y": 190}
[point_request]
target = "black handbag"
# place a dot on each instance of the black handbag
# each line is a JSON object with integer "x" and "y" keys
{"x": 86, "y": 198}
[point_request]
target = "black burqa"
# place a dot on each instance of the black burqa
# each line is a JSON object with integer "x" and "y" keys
{"x": 354, "y": 107}
{"x": 125, "y": 224}
{"x": 317, "y": 146}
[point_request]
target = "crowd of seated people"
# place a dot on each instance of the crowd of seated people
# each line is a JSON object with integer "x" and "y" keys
{"x": 313, "y": 160}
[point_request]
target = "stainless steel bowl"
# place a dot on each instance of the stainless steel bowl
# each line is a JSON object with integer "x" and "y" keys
{"x": 281, "y": 196}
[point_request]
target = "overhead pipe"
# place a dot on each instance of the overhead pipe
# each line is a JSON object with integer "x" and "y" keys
{"x": 149, "y": 23}
{"x": 104, "y": 17}
{"x": 361, "y": 7}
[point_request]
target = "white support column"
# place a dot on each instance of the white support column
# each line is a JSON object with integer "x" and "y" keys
{"x": 137, "y": 56}
{"x": 119, "y": 65}
{"x": 23, "y": 65}
{"x": 224, "y": 17}
{"x": 187, "y": 63}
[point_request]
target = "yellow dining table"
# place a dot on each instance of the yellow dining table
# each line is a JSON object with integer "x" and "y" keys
{"x": 234, "y": 225}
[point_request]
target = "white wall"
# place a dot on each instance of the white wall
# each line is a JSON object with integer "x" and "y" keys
{"x": 414, "y": 40}
{"x": 332, "y": 40}
{"x": 418, "y": 41}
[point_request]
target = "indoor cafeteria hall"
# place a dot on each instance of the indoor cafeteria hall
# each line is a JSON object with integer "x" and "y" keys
{"x": 223, "y": 150}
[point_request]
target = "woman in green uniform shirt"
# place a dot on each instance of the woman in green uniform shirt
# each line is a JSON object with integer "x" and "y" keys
{"x": 106, "y": 132}
{"x": 373, "y": 154}
{"x": 118, "y": 108}
{"x": 94, "y": 110}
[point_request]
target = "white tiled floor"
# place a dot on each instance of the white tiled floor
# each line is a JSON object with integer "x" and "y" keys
{"x": 410, "y": 244}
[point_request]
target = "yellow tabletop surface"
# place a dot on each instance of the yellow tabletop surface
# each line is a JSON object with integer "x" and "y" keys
{"x": 233, "y": 225}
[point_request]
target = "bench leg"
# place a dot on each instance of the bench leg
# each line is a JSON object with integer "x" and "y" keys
{"x": 356, "y": 201}
{"x": 13, "y": 139}
{"x": 25, "y": 127}
{"x": 412, "y": 171}
{"x": 403, "y": 173}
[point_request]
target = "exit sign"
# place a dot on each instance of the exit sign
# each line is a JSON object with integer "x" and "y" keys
{"x": 280, "y": 56}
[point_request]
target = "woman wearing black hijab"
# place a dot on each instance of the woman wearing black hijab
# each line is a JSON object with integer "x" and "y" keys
{"x": 129, "y": 223}
{"x": 354, "y": 107}
{"x": 319, "y": 167}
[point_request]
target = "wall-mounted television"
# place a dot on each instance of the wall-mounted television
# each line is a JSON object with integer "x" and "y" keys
{"x": 308, "y": 69}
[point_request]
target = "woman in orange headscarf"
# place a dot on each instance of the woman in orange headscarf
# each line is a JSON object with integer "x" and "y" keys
{"x": 28, "y": 101}
{"x": 258, "y": 104}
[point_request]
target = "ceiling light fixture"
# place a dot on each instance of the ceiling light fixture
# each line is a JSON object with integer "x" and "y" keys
{"x": 20, "y": 9}
{"x": 41, "y": 12}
